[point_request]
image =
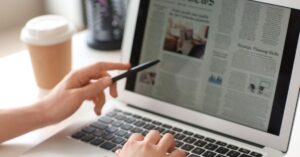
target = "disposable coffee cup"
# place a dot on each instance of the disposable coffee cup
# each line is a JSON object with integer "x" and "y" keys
{"x": 49, "y": 41}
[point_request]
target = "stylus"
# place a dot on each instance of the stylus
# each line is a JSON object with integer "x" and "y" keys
{"x": 135, "y": 70}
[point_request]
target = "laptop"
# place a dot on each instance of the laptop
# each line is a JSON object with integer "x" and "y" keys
{"x": 227, "y": 84}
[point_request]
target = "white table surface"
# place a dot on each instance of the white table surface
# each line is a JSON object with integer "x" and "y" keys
{"x": 18, "y": 88}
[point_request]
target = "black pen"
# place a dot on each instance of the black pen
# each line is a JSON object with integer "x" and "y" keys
{"x": 135, "y": 70}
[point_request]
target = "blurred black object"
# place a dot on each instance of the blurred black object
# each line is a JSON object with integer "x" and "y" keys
{"x": 106, "y": 20}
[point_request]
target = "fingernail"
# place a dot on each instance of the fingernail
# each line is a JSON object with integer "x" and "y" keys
{"x": 118, "y": 151}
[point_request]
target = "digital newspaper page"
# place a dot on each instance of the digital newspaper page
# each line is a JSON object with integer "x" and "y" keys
{"x": 220, "y": 57}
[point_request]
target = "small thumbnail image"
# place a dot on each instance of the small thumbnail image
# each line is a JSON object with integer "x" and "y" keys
{"x": 186, "y": 38}
{"x": 260, "y": 86}
{"x": 214, "y": 79}
{"x": 148, "y": 78}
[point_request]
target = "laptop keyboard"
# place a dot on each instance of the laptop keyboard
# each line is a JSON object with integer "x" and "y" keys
{"x": 111, "y": 132}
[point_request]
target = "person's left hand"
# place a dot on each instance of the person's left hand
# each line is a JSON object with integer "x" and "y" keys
{"x": 153, "y": 145}
{"x": 84, "y": 84}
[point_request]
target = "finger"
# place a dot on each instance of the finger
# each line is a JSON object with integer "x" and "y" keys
{"x": 167, "y": 143}
{"x": 79, "y": 79}
{"x": 178, "y": 153}
{"x": 112, "y": 66}
{"x": 101, "y": 102}
{"x": 94, "y": 89}
{"x": 95, "y": 71}
{"x": 113, "y": 90}
{"x": 152, "y": 137}
{"x": 136, "y": 137}
{"x": 96, "y": 102}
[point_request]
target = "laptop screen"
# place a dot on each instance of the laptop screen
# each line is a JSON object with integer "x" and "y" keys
{"x": 231, "y": 59}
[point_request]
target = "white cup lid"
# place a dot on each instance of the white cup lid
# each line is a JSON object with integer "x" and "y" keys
{"x": 47, "y": 30}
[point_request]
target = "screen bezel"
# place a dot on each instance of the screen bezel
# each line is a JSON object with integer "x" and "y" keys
{"x": 263, "y": 138}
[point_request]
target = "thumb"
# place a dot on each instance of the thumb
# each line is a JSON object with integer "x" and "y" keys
{"x": 94, "y": 89}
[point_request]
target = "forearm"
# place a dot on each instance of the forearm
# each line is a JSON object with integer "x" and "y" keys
{"x": 64, "y": 100}
{"x": 16, "y": 122}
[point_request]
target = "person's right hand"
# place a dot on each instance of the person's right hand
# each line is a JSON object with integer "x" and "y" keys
{"x": 150, "y": 146}
{"x": 87, "y": 83}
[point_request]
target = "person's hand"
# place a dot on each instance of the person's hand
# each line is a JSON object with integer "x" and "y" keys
{"x": 150, "y": 146}
{"x": 84, "y": 84}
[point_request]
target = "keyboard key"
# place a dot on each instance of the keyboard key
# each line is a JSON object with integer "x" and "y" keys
{"x": 233, "y": 154}
{"x": 125, "y": 140}
{"x": 209, "y": 154}
{"x": 146, "y": 119}
{"x": 108, "y": 145}
{"x": 245, "y": 155}
{"x": 111, "y": 129}
{"x": 127, "y": 135}
{"x": 117, "y": 110}
{"x": 220, "y": 155}
{"x": 189, "y": 140}
{"x": 245, "y": 151}
{"x": 222, "y": 150}
{"x": 127, "y": 113}
{"x": 105, "y": 120}
{"x": 100, "y": 133}
{"x": 255, "y": 154}
{"x": 166, "y": 126}
{"x": 188, "y": 133}
{"x": 149, "y": 127}
{"x": 87, "y": 138}
{"x": 129, "y": 120}
{"x": 108, "y": 137}
{"x": 187, "y": 147}
{"x": 159, "y": 129}
{"x": 121, "y": 133}
{"x": 111, "y": 114}
{"x": 179, "y": 136}
{"x": 178, "y": 144}
{"x": 96, "y": 141}
{"x": 116, "y": 123}
{"x": 200, "y": 143}
{"x": 126, "y": 127}
{"x": 139, "y": 123}
{"x": 211, "y": 140}
{"x": 156, "y": 123}
{"x": 220, "y": 143}
{"x": 137, "y": 116}
{"x": 120, "y": 117}
{"x": 232, "y": 147}
{"x": 89, "y": 129}
{"x": 118, "y": 140}
{"x": 177, "y": 129}
{"x": 137, "y": 130}
{"x": 99, "y": 125}
{"x": 199, "y": 136}
{"x": 78, "y": 135}
{"x": 211, "y": 147}
{"x": 198, "y": 151}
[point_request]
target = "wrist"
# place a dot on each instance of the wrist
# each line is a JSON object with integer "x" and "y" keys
{"x": 41, "y": 114}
